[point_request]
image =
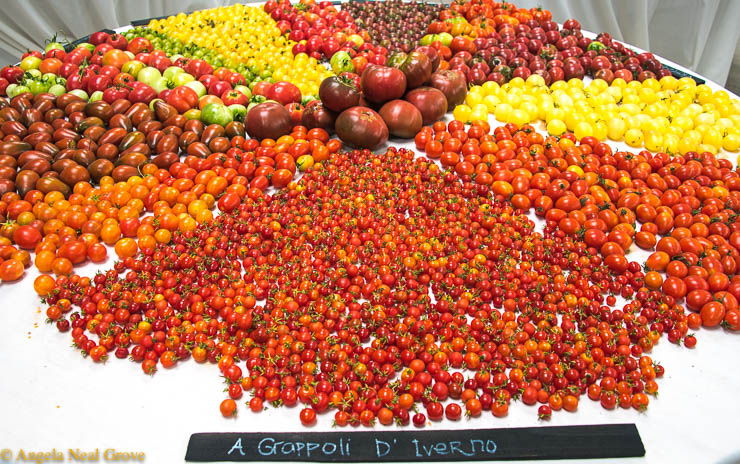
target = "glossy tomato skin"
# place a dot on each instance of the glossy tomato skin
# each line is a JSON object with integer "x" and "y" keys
{"x": 403, "y": 119}
{"x": 431, "y": 53}
{"x": 338, "y": 94}
{"x": 142, "y": 93}
{"x": 284, "y": 93}
{"x": 198, "y": 68}
{"x": 382, "y": 83}
{"x": 234, "y": 97}
{"x": 416, "y": 66}
{"x": 183, "y": 98}
{"x": 268, "y": 120}
{"x": 361, "y": 127}
{"x": 317, "y": 115}
{"x": 261, "y": 88}
{"x": 139, "y": 45}
{"x": 308, "y": 416}
{"x": 452, "y": 84}
{"x": 431, "y": 102}
{"x": 26, "y": 237}
{"x": 712, "y": 314}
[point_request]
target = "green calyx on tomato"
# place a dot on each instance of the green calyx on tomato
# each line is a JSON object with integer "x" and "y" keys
{"x": 52, "y": 44}
{"x": 306, "y": 99}
{"x": 238, "y": 112}
{"x": 255, "y": 100}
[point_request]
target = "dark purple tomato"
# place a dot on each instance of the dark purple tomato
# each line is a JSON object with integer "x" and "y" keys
{"x": 452, "y": 84}
{"x": 431, "y": 102}
{"x": 361, "y": 127}
{"x": 403, "y": 119}
{"x": 268, "y": 120}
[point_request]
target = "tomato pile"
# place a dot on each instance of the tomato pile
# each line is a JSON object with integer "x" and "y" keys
{"x": 496, "y": 41}
{"x": 591, "y": 192}
{"x": 668, "y": 115}
{"x": 57, "y": 213}
{"x": 394, "y": 24}
{"x": 247, "y": 35}
{"x": 319, "y": 29}
{"x": 455, "y": 292}
{"x": 379, "y": 287}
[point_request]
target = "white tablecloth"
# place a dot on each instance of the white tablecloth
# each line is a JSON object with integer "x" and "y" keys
{"x": 53, "y": 398}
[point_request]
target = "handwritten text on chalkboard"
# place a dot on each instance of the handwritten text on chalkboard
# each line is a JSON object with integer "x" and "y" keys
{"x": 597, "y": 441}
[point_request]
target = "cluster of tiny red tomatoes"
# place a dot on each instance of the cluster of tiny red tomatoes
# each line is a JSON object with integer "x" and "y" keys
{"x": 376, "y": 284}
{"x": 683, "y": 208}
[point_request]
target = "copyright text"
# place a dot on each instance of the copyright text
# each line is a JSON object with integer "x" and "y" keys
{"x": 71, "y": 455}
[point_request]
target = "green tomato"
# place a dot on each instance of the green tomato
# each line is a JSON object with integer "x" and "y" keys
{"x": 49, "y": 77}
{"x": 30, "y": 62}
{"x": 89, "y": 46}
{"x": 172, "y": 71}
{"x": 97, "y": 95}
{"x": 175, "y": 57}
{"x": 12, "y": 90}
{"x": 427, "y": 39}
{"x": 244, "y": 89}
{"x": 80, "y": 93}
{"x": 341, "y": 62}
{"x": 192, "y": 113}
{"x": 182, "y": 79}
{"x": 595, "y": 46}
{"x": 160, "y": 84}
{"x": 37, "y": 87}
{"x": 445, "y": 38}
{"x": 149, "y": 76}
{"x": 58, "y": 90}
{"x": 216, "y": 113}
{"x": 198, "y": 86}
{"x": 133, "y": 67}
{"x": 239, "y": 112}
{"x": 34, "y": 73}
{"x": 53, "y": 46}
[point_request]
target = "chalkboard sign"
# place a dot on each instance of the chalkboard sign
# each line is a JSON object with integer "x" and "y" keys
{"x": 678, "y": 74}
{"x": 145, "y": 22}
{"x": 567, "y": 442}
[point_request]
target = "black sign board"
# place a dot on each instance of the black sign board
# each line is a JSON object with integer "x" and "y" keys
{"x": 565, "y": 442}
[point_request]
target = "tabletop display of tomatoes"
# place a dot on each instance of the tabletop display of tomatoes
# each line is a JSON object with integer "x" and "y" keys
{"x": 375, "y": 287}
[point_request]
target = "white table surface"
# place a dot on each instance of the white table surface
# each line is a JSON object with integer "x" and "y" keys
{"x": 53, "y": 398}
